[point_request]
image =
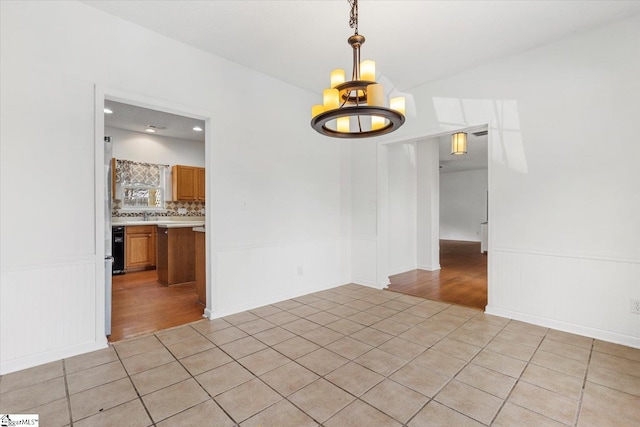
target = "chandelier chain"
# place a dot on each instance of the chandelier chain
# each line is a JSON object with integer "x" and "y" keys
{"x": 353, "y": 17}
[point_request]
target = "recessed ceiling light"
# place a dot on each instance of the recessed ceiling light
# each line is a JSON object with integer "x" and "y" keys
{"x": 197, "y": 129}
{"x": 108, "y": 110}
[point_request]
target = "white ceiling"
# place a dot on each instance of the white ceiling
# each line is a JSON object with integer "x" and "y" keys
{"x": 413, "y": 42}
{"x": 136, "y": 119}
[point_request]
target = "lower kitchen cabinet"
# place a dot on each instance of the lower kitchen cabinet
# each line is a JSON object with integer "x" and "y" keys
{"x": 201, "y": 267}
{"x": 176, "y": 255}
{"x": 140, "y": 247}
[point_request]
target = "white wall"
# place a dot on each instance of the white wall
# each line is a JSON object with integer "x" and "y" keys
{"x": 428, "y": 221}
{"x": 402, "y": 208}
{"x": 463, "y": 204}
{"x": 564, "y": 199}
{"x": 275, "y": 196}
{"x": 144, "y": 147}
{"x": 364, "y": 198}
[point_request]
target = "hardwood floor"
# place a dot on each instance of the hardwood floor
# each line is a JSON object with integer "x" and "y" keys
{"x": 462, "y": 278}
{"x": 141, "y": 305}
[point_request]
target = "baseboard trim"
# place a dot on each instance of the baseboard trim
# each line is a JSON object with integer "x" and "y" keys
{"x": 600, "y": 334}
{"x": 30, "y": 361}
{"x": 366, "y": 282}
{"x": 265, "y": 301}
{"x": 402, "y": 270}
{"x": 429, "y": 267}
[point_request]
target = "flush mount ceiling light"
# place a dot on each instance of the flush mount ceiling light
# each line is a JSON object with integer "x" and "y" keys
{"x": 197, "y": 129}
{"x": 459, "y": 143}
{"x": 356, "y": 108}
{"x": 153, "y": 128}
{"x": 108, "y": 110}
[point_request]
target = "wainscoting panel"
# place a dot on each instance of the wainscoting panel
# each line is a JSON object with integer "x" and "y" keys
{"x": 582, "y": 295}
{"x": 251, "y": 277}
{"x": 364, "y": 261}
{"x": 48, "y": 312}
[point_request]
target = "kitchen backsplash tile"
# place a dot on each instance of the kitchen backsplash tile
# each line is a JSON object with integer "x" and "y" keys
{"x": 194, "y": 209}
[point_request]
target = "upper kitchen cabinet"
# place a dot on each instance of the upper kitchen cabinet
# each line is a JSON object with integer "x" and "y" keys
{"x": 200, "y": 183}
{"x": 188, "y": 183}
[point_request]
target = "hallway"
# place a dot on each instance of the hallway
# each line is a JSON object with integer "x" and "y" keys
{"x": 461, "y": 280}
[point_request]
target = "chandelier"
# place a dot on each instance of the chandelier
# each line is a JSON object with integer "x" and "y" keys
{"x": 356, "y": 108}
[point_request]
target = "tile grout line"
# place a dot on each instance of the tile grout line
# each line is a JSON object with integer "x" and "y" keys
{"x": 320, "y": 347}
{"x": 387, "y": 377}
{"x": 153, "y": 423}
{"x": 506, "y": 399}
{"x": 258, "y": 376}
{"x": 458, "y": 372}
{"x": 66, "y": 390}
{"x": 432, "y": 398}
{"x": 195, "y": 379}
{"x": 467, "y": 319}
{"x": 284, "y": 355}
{"x": 389, "y": 317}
{"x": 584, "y": 382}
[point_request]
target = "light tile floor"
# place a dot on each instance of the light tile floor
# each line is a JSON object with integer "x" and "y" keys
{"x": 349, "y": 356}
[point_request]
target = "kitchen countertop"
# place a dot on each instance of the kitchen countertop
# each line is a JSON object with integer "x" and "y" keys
{"x": 180, "y": 224}
{"x": 161, "y": 222}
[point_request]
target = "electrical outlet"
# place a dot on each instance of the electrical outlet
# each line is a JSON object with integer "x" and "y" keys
{"x": 635, "y": 306}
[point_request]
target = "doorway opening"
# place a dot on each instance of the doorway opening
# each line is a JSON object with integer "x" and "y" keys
{"x": 156, "y": 210}
{"x": 462, "y": 278}
{"x": 455, "y": 268}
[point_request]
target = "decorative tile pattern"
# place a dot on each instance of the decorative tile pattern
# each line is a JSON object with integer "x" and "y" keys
{"x": 194, "y": 209}
{"x": 350, "y": 355}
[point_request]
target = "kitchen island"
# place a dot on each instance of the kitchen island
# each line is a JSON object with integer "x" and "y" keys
{"x": 174, "y": 250}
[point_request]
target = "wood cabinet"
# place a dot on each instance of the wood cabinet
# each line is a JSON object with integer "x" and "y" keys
{"x": 188, "y": 183}
{"x": 201, "y": 267}
{"x": 200, "y": 183}
{"x": 139, "y": 247}
{"x": 113, "y": 178}
{"x": 176, "y": 255}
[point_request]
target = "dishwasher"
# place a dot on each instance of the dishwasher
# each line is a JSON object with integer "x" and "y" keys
{"x": 117, "y": 248}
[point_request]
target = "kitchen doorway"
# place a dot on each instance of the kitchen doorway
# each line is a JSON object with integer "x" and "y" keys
{"x": 165, "y": 281}
{"x": 142, "y": 305}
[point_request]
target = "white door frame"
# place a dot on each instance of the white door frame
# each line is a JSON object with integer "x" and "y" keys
{"x": 383, "y": 195}
{"x": 101, "y": 94}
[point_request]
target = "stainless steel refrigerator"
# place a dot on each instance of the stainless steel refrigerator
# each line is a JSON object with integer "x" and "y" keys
{"x": 108, "y": 250}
